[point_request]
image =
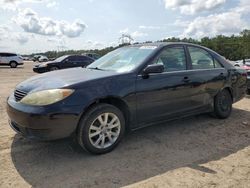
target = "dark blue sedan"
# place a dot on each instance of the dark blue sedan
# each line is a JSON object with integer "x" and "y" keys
{"x": 64, "y": 62}
{"x": 129, "y": 88}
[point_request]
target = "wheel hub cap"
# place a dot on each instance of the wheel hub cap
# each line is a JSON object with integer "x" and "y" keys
{"x": 104, "y": 130}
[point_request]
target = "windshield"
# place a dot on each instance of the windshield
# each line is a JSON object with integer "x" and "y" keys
{"x": 59, "y": 59}
{"x": 123, "y": 59}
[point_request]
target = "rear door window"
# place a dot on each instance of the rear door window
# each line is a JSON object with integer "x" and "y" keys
{"x": 72, "y": 59}
{"x": 85, "y": 59}
{"x": 201, "y": 59}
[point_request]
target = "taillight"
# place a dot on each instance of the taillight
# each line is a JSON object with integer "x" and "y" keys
{"x": 246, "y": 67}
{"x": 244, "y": 74}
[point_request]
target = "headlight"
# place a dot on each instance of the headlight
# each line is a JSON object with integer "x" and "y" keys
{"x": 43, "y": 65}
{"x": 46, "y": 97}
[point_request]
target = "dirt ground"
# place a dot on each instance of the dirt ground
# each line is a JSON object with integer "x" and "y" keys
{"x": 199, "y": 151}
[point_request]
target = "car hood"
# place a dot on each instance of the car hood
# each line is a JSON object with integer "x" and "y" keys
{"x": 62, "y": 78}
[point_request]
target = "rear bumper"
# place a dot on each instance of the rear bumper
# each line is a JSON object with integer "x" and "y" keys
{"x": 43, "y": 123}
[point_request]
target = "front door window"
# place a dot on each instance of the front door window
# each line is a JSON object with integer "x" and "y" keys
{"x": 172, "y": 58}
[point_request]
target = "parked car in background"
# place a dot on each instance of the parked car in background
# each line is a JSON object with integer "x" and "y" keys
{"x": 10, "y": 59}
{"x": 240, "y": 63}
{"x": 246, "y": 61}
{"x": 246, "y": 66}
{"x": 67, "y": 61}
{"x": 52, "y": 58}
{"x": 236, "y": 63}
{"x": 127, "y": 89}
{"x": 94, "y": 56}
{"x": 36, "y": 57}
{"x": 43, "y": 59}
{"x": 243, "y": 64}
{"x": 26, "y": 58}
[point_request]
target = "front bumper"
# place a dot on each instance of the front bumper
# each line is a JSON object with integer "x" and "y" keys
{"x": 40, "y": 69}
{"x": 43, "y": 123}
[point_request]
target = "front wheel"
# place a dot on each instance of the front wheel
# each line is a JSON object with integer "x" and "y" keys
{"x": 223, "y": 104}
{"x": 53, "y": 68}
{"x": 101, "y": 129}
{"x": 13, "y": 64}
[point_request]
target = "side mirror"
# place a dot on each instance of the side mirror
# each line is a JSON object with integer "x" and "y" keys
{"x": 155, "y": 68}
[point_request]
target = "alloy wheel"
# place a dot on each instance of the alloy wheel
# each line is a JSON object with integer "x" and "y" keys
{"x": 104, "y": 131}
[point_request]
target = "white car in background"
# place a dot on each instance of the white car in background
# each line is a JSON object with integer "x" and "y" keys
{"x": 240, "y": 63}
{"x": 10, "y": 59}
{"x": 43, "y": 59}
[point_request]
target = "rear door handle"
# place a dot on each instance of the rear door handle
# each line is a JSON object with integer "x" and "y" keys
{"x": 221, "y": 75}
{"x": 186, "y": 79}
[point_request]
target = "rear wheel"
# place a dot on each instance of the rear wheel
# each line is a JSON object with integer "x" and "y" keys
{"x": 13, "y": 64}
{"x": 223, "y": 104}
{"x": 101, "y": 129}
{"x": 248, "y": 91}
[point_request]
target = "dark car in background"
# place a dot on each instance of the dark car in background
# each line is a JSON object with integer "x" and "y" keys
{"x": 127, "y": 89}
{"x": 63, "y": 62}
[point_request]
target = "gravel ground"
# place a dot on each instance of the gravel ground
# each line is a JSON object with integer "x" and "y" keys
{"x": 199, "y": 151}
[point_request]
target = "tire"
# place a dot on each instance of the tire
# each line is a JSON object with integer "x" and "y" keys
{"x": 13, "y": 64}
{"x": 248, "y": 91}
{"x": 98, "y": 138}
{"x": 223, "y": 104}
{"x": 53, "y": 68}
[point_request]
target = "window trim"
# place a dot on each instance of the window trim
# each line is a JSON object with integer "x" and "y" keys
{"x": 181, "y": 71}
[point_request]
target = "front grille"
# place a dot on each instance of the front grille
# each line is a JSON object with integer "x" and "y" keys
{"x": 19, "y": 94}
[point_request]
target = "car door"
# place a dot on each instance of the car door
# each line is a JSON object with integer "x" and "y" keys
{"x": 3, "y": 59}
{"x": 165, "y": 94}
{"x": 69, "y": 62}
{"x": 208, "y": 70}
{"x": 84, "y": 61}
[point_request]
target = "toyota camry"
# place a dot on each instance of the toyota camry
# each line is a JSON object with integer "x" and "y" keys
{"x": 127, "y": 89}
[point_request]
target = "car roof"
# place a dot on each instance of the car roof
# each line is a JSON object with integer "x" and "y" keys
{"x": 162, "y": 44}
{"x": 7, "y": 53}
{"x": 74, "y": 55}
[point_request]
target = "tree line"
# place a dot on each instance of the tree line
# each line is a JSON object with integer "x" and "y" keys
{"x": 235, "y": 47}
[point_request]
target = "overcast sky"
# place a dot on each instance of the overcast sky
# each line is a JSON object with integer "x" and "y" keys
{"x": 28, "y": 26}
